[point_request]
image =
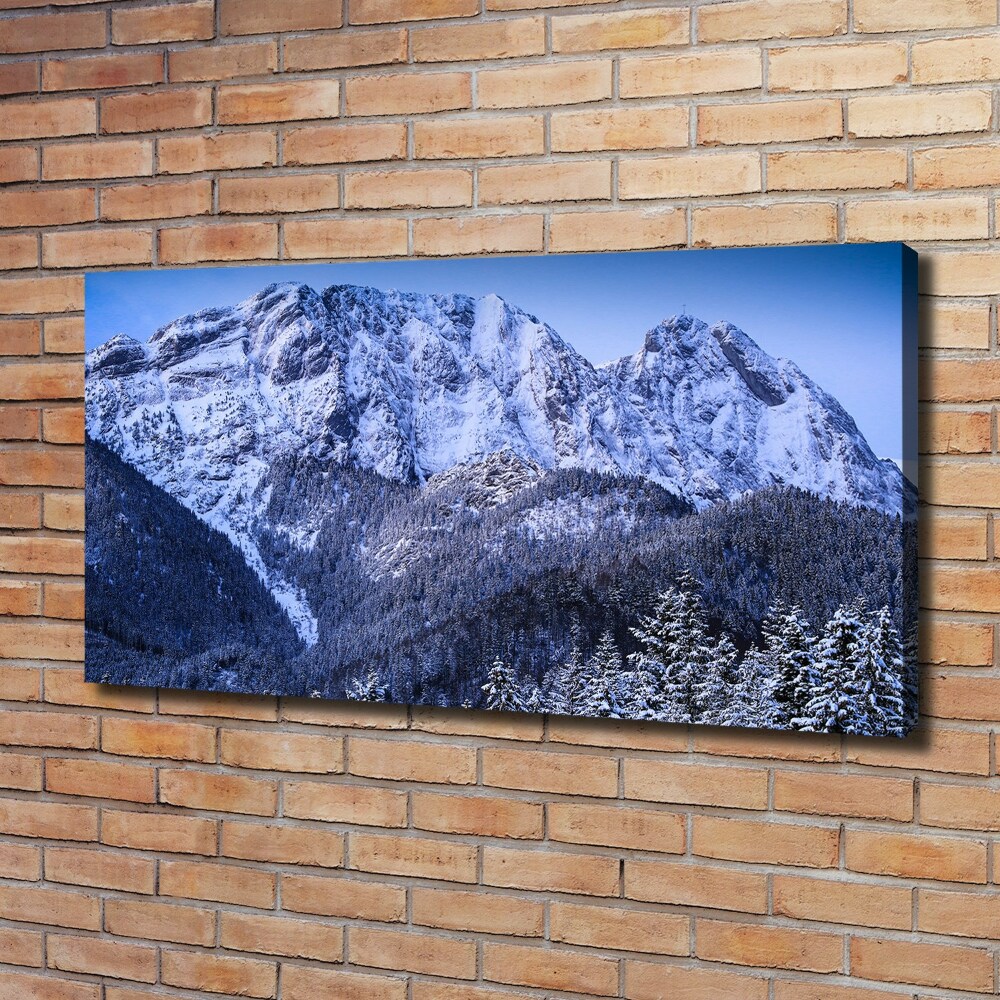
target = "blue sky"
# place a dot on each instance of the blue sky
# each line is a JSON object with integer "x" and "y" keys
{"x": 833, "y": 310}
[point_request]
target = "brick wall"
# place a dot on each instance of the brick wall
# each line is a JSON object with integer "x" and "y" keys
{"x": 185, "y": 845}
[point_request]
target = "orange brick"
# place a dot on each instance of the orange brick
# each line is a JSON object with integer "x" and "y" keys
{"x": 292, "y": 193}
{"x": 469, "y": 138}
{"x": 217, "y": 883}
{"x": 20, "y": 861}
{"x": 836, "y": 170}
{"x": 754, "y": 19}
{"x": 137, "y": 69}
{"x": 225, "y": 151}
{"x": 101, "y": 869}
{"x": 149, "y": 831}
{"x": 37, "y": 906}
{"x": 19, "y": 423}
{"x": 956, "y": 60}
{"x": 21, "y": 683}
{"x": 348, "y": 898}
{"x": 252, "y": 17}
{"x": 282, "y": 844}
{"x": 965, "y": 914}
{"x": 620, "y": 128}
{"x": 221, "y": 704}
{"x": 20, "y": 510}
{"x": 42, "y": 468}
{"x": 626, "y": 30}
{"x": 278, "y": 102}
{"x": 714, "y": 72}
{"x": 20, "y": 336}
{"x": 156, "y": 201}
{"x": 617, "y": 230}
{"x": 160, "y": 922}
{"x": 282, "y": 751}
{"x": 696, "y": 885}
{"x": 550, "y": 871}
{"x": 922, "y": 963}
{"x": 944, "y": 750}
{"x": 768, "y": 947}
{"x": 41, "y": 295}
{"x": 380, "y": 11}
{"x": 411, "y": 93}
{"x": 64, "y": 512}
{"x": 412, "y": 761}
{"x": 172, "y": 740}
{"x": 686, "y": 176}
{"x": 915, "y": 15}
{"x": 775, "y": 224}
{"x": 64, "y": 335}
{"x": 954, "y": 696}
{"x": 766, "y": 843}
{"x": 486, "y": 40}
{"x": 957, "y": 218}
{"x": 21, "y": 772}
{"x": 67, "y": 687}
{"x": 218, "y": 792}
{"x": 550, "y": 968}
{"x": 470, "y": 235}
{"x": 281, "y": 936}
{"x": 484, "y": 724}
{"x": 479, "y": 816}
{"x": 99, "y": 779}
{"x": 949, "y": 859}
{"x": 345, "y": 143}
{"x": 97, "y": 248}
{"x": 817, "y": 793}
{"x": 961, "y": 273}
{"x": 157, "y": 111}
{"x": 959, "y": 381}
{"x": 18, "y": 163}
{"x": 442, "y": 188}
{"x": 352, "y": 237}
{"x": 620, "y": 929}
{"x": 223, "y": 62}
{"x": 178, "y": 22}
{"x": 18, "y": 251}
{"x": 19, "y": 78}
{"x": 836, "y": 67}
{"x": 479, "y": 912}
{"x": 101, "y": 958}
{"x": 47, "y": 208}
{"x": 960, "y": 807}
{"x": 974, "y": 588}
{"x": 692, "y": 784}
{"x": 956, "y": 166}
{"x": 919, "y": 114}
{"x": 48, "y": 729}
{"x": 770, "y": 121}
{"x": 945, "y": 432}
{"x": 30, "y": 987}
{"x": 645, "y": 981}
{"x": 542, "y": 85}
{"x": 20, "y": 947}
{"x": 541, "y": 771}
{"x": 305, "y": 983}
{"x": 406, "y": 951}
{"x": 419, "y": 857}
{"x": 336, "y": 803}
{"x": 243, "y": 977}
{"x": 954, "y": 537}
{"x": 838, "y": 902}
{"x": 222, "y": 241}
{"x": 336, "y": 51}
{"x": 50, "y": 32}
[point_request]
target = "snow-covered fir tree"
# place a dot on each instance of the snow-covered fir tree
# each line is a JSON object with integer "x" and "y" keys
{"x": 791, "y": 650}
{"x": 368, "y": 687}
{"x": 502, "y": 691}
{"x": 834, "y": 705}
{"x": 750, "y": 701}
{"x": 880, "y": 679}
{"x": 567, "y": 693}
{"x": 603, "y": 691}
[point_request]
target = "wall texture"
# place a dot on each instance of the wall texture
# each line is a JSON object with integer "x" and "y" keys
{"x": 179, "y": 845}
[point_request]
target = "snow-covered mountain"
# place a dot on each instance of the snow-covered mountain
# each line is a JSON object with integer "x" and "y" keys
{"x": 424, "y": 388}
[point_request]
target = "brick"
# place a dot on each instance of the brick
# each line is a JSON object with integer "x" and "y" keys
{"x": 217, "y": 883}
{"x": 541, "y": 771}
{"x": 243, "y": 977}
{"x": 37, "y": 906}
{"x": 957, "y": 537}
{"x": 409, "y": 952}
{"x": 773, "y": 225}
{"x": 916, "y": 15}
{"x": 418, "y": 857}
{"x": 160, "y": 922}
{"x": 18, "y": 251}
{"x": 957, "y": 218}
{"x": 479, "y": 912}
{"x": 957, "y": 643}
{"x": 20, "y": 336}
{"x": 838, "y": 902}
{"x": 469, "y": 138}
{"x": 960, "y": 807}
{"x": 955, "y": 433}
{"x": 759, "y": 19}
{"x": 178, "y": 22}
{"x": 409, "y": 93}
{"x": 18, "y": 163}
{"x": 52, "y": 32}
{"x": 225, "y": 151}
{"x": 626, "y": 30}
{"x": 822, "y": 794}
{"x": 354, "y": 237}
{"x": 484, "y": 724}
{"x": 47, "y": 208}
{"x": 41, "y": 468}
{"x": 442, "y": 188}
{"x": 97, "y": 248}
{"x": 959, "y": 381}
{"x": 293, "y": 193}
{"x": 30, "y": 987}
{"x": 646, "y": 981}
{"x": 836, "y": 170}
{"x": 942, "y": 167}
{"x": 478, "y": 42}
{"x": 158, "y": 111}
{"x": 281, "y": 936}
{"x": 19, "y": 78}
{"x": 67, "y": 687}
{"x": 41, "y": 295}
{"x": 20, "y": 861}
{"x": 48, "y": 118}
{"x": 99, "y": 779}
{"x": 692, "y": 784}
{"x": 540, "y": 85}
{"x": 282, "y": 751}
{"x": 759, "y": 744}
{"x": 550, "y": 968}
{"x": 957, "y": 60}
{"x": 278, "y": 102}
{"x": 714, "y": 72}
{"x": 338, "y": 51}
{"x": 973, "y": 588}
{"x": 491, "y": 234}
{"x": 254, "y": 17}
{"x": 348, "y": 898}
{"x": 345, "y": 143}
{"x": 113, "y": 959}
{"x": 21, "y": 772}
{"x": 944, "y": 750}
{"x": 149, "y": 831}
{"x": 952, "y": 696}
{"x": 304, "y": 983}
{"x": 64, "y": 335}
{"x": 765, "y": 843}
{"x": 617, "y": 230}
{"x": 171, "y": 740}
{"x": 550, "y": 871}
{"x": 222, "y": 242}
{"x": 224, "y": 62}
{"x": 949, "y": 859}
{"x": 48, "y": 729}
{"x": 282, "y": 844}
{"x": 52, "y": 380}
{"x": 19, "y": 423}
{"x": 100, "y": 869}
{"x": 963, "y": 914}
{"x": 477, "y": 816}
{"x": 64, "y": 512}
{"x": 620, "y": 128}
{"x": 768, "y": 947}
{"x": 139, "y": 69}
{"x": 355, "y": 804}
{"x": 836, "y": 67}
{"x": 20, "y": 683}
{"x": 960, "y": 273}
{"x": 380, "y": 11}
{"x": 922, "y": 963}
{"x": 218, "y": 792}
{"x": 616, "y": 928}
{"x": 20, "y": 947}
{"x": 221, "y": 704}
{"x": 919, "y": 114}
{"x": 173, "y": 200}
{"x": 20, "y": 510}
{"x": 770, "y": 121}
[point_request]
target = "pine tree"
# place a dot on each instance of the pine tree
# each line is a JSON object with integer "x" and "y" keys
{"x": 791, "y": 651}
{"x": 751, "y": 702}
{"x": 880, "y": 680}
{"x": 568, "y": 688}
{"x": 602, "y": 695}
{"x": 368, "y": 687}
{"x": 834, "y": 707}
{"x": 501, "y": 688}
{"x": 715, "y": 686}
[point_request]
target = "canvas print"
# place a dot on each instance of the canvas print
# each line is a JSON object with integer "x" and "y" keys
{"x": 669, "y": 486}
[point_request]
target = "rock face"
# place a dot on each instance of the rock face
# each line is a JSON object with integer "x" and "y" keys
{"x": 426, "y": 388}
